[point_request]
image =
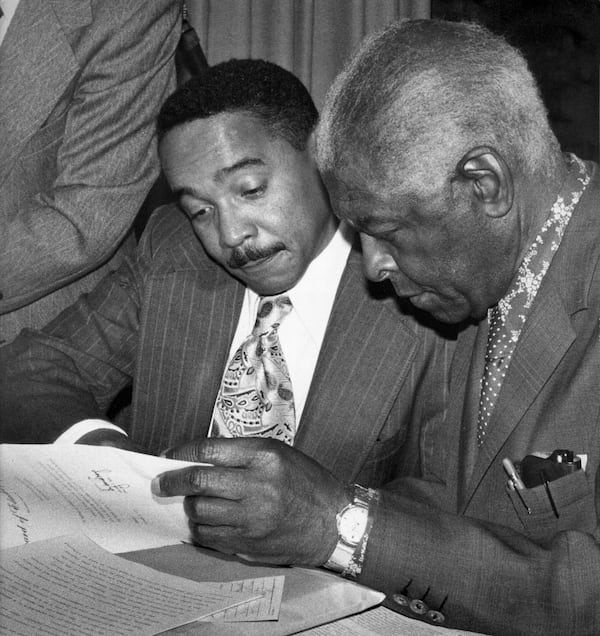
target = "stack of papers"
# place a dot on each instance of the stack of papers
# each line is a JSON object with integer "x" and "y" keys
{"x": 66, "y": 510}
{"x": 70, "y": 586}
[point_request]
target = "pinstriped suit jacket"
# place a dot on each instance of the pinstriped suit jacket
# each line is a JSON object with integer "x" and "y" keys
{"x": 169, "y": 320}
{"x": 81, "y": 82}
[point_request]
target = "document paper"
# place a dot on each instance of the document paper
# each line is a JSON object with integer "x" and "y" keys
{"x": 51, "y": 490}
{"x": 264, "y": 608}
{"x": 69, "y": 586}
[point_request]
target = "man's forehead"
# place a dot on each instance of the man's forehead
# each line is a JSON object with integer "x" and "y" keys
{"x": 371, "y": 211}
{"x": 344, "y": 188}
{"x": 361, "y": 209}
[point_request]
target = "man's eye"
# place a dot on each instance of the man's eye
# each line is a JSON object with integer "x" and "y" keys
{"x": 198, "y": 213}
{"x": 253, "y": 192}
{"x": 384, "y": 234}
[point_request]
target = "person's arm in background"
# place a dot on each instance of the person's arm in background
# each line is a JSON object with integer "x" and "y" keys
{"x": 74, "y": 368}
{"x": 107, "y": 158}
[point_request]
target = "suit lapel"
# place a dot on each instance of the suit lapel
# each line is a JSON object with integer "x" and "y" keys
{"x": 189, "y": 323}
{"x": 543, "y": 343}
{"x": 36, "y": 66}
{"x": 352, "y": 390}
{"x": 460, "y": 431}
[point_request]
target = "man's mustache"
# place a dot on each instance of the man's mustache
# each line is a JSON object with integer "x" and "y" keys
{"x": 243, "y": 255}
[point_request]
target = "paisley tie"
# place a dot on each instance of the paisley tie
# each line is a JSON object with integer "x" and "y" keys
{"x": 256, "y": 398}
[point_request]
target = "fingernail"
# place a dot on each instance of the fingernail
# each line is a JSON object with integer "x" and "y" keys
{"x": 155, "y": 486}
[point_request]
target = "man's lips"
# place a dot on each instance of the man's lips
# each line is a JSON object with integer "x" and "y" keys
{"x": 258, "y": 262}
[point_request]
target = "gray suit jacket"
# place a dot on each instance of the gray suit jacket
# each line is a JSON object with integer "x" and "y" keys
{"x": 168, "y": 320}
{"x": 81, "y": 82}
{"x": 457, "y": 530}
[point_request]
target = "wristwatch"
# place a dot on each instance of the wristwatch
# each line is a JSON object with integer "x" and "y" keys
{"x": 352, "y": 525}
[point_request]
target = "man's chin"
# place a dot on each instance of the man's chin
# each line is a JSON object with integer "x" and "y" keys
{"x": 445, "y": 312}
{"x": 267, "y": 284}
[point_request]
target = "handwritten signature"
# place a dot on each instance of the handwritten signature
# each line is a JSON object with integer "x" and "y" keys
{"x": 103, "y": 481}
{"x": 17, "y": 513}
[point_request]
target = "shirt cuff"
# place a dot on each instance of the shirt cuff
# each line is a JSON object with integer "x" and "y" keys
{"x": 73, "y": 434}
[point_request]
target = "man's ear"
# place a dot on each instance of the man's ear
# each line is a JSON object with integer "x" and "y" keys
{"x": 490, "y": 179}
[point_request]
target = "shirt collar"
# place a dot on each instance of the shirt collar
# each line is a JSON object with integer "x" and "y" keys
{"x": 8, "y": 8}
{"x": 313, "y": 295}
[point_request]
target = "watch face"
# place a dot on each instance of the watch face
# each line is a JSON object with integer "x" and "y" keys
{"x": 352, "y": 524}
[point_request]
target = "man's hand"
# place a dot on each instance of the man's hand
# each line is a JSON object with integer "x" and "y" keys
{"x": 260, "y": 498}
{"x": 109, "y": 437}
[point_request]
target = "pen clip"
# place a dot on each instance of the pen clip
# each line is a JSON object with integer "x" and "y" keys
{"x": 515, "y": 481}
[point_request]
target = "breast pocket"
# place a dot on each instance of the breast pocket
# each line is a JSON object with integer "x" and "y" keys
{"x": 566, "y": 504}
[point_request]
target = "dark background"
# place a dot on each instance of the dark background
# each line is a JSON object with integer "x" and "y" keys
{"x": 561, "y": 41}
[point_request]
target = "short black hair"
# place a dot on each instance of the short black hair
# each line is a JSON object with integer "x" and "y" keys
{"x": 260, "y": 88}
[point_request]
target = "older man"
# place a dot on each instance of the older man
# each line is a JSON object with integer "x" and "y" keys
{"x": 436, "y": 147}
{"x": 263, "y": 330}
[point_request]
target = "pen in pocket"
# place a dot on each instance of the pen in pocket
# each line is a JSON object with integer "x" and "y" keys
{"x": 514, "y": 480}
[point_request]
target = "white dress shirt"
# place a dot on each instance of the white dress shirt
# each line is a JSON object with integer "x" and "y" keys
{"x": 8, "y": 8}
{"x": 301, "y": 332}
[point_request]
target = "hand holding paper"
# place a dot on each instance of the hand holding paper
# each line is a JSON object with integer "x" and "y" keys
{"x": 261, "y": 498}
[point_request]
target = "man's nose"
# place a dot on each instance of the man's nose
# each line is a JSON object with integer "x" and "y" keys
{"x": 378, "y": 263}
{"x": 234, "y": 227}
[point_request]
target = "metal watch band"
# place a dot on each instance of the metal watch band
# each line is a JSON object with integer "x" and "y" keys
{"x": 346, "y": 558}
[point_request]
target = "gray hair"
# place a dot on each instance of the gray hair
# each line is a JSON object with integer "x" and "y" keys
{"x": 419, "y": 94}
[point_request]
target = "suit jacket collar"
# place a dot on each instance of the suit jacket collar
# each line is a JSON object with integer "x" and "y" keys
{"x": 36, "y": 65}
{"x": 546, "y": 337}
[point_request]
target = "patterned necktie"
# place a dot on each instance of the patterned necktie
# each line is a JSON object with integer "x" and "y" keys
{"x": 256, "y": 398}
{"x": 497, "y": 358}
{"x": 508, "y": 317}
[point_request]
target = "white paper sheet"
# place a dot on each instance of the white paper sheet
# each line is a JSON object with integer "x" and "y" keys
{"x": 265, "y": 608}
{"x": 69, "y": 586}
{"x": 51, "y": 490}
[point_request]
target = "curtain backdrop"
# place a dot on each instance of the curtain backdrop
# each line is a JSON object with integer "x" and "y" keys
{"x": 311, "y": 38}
